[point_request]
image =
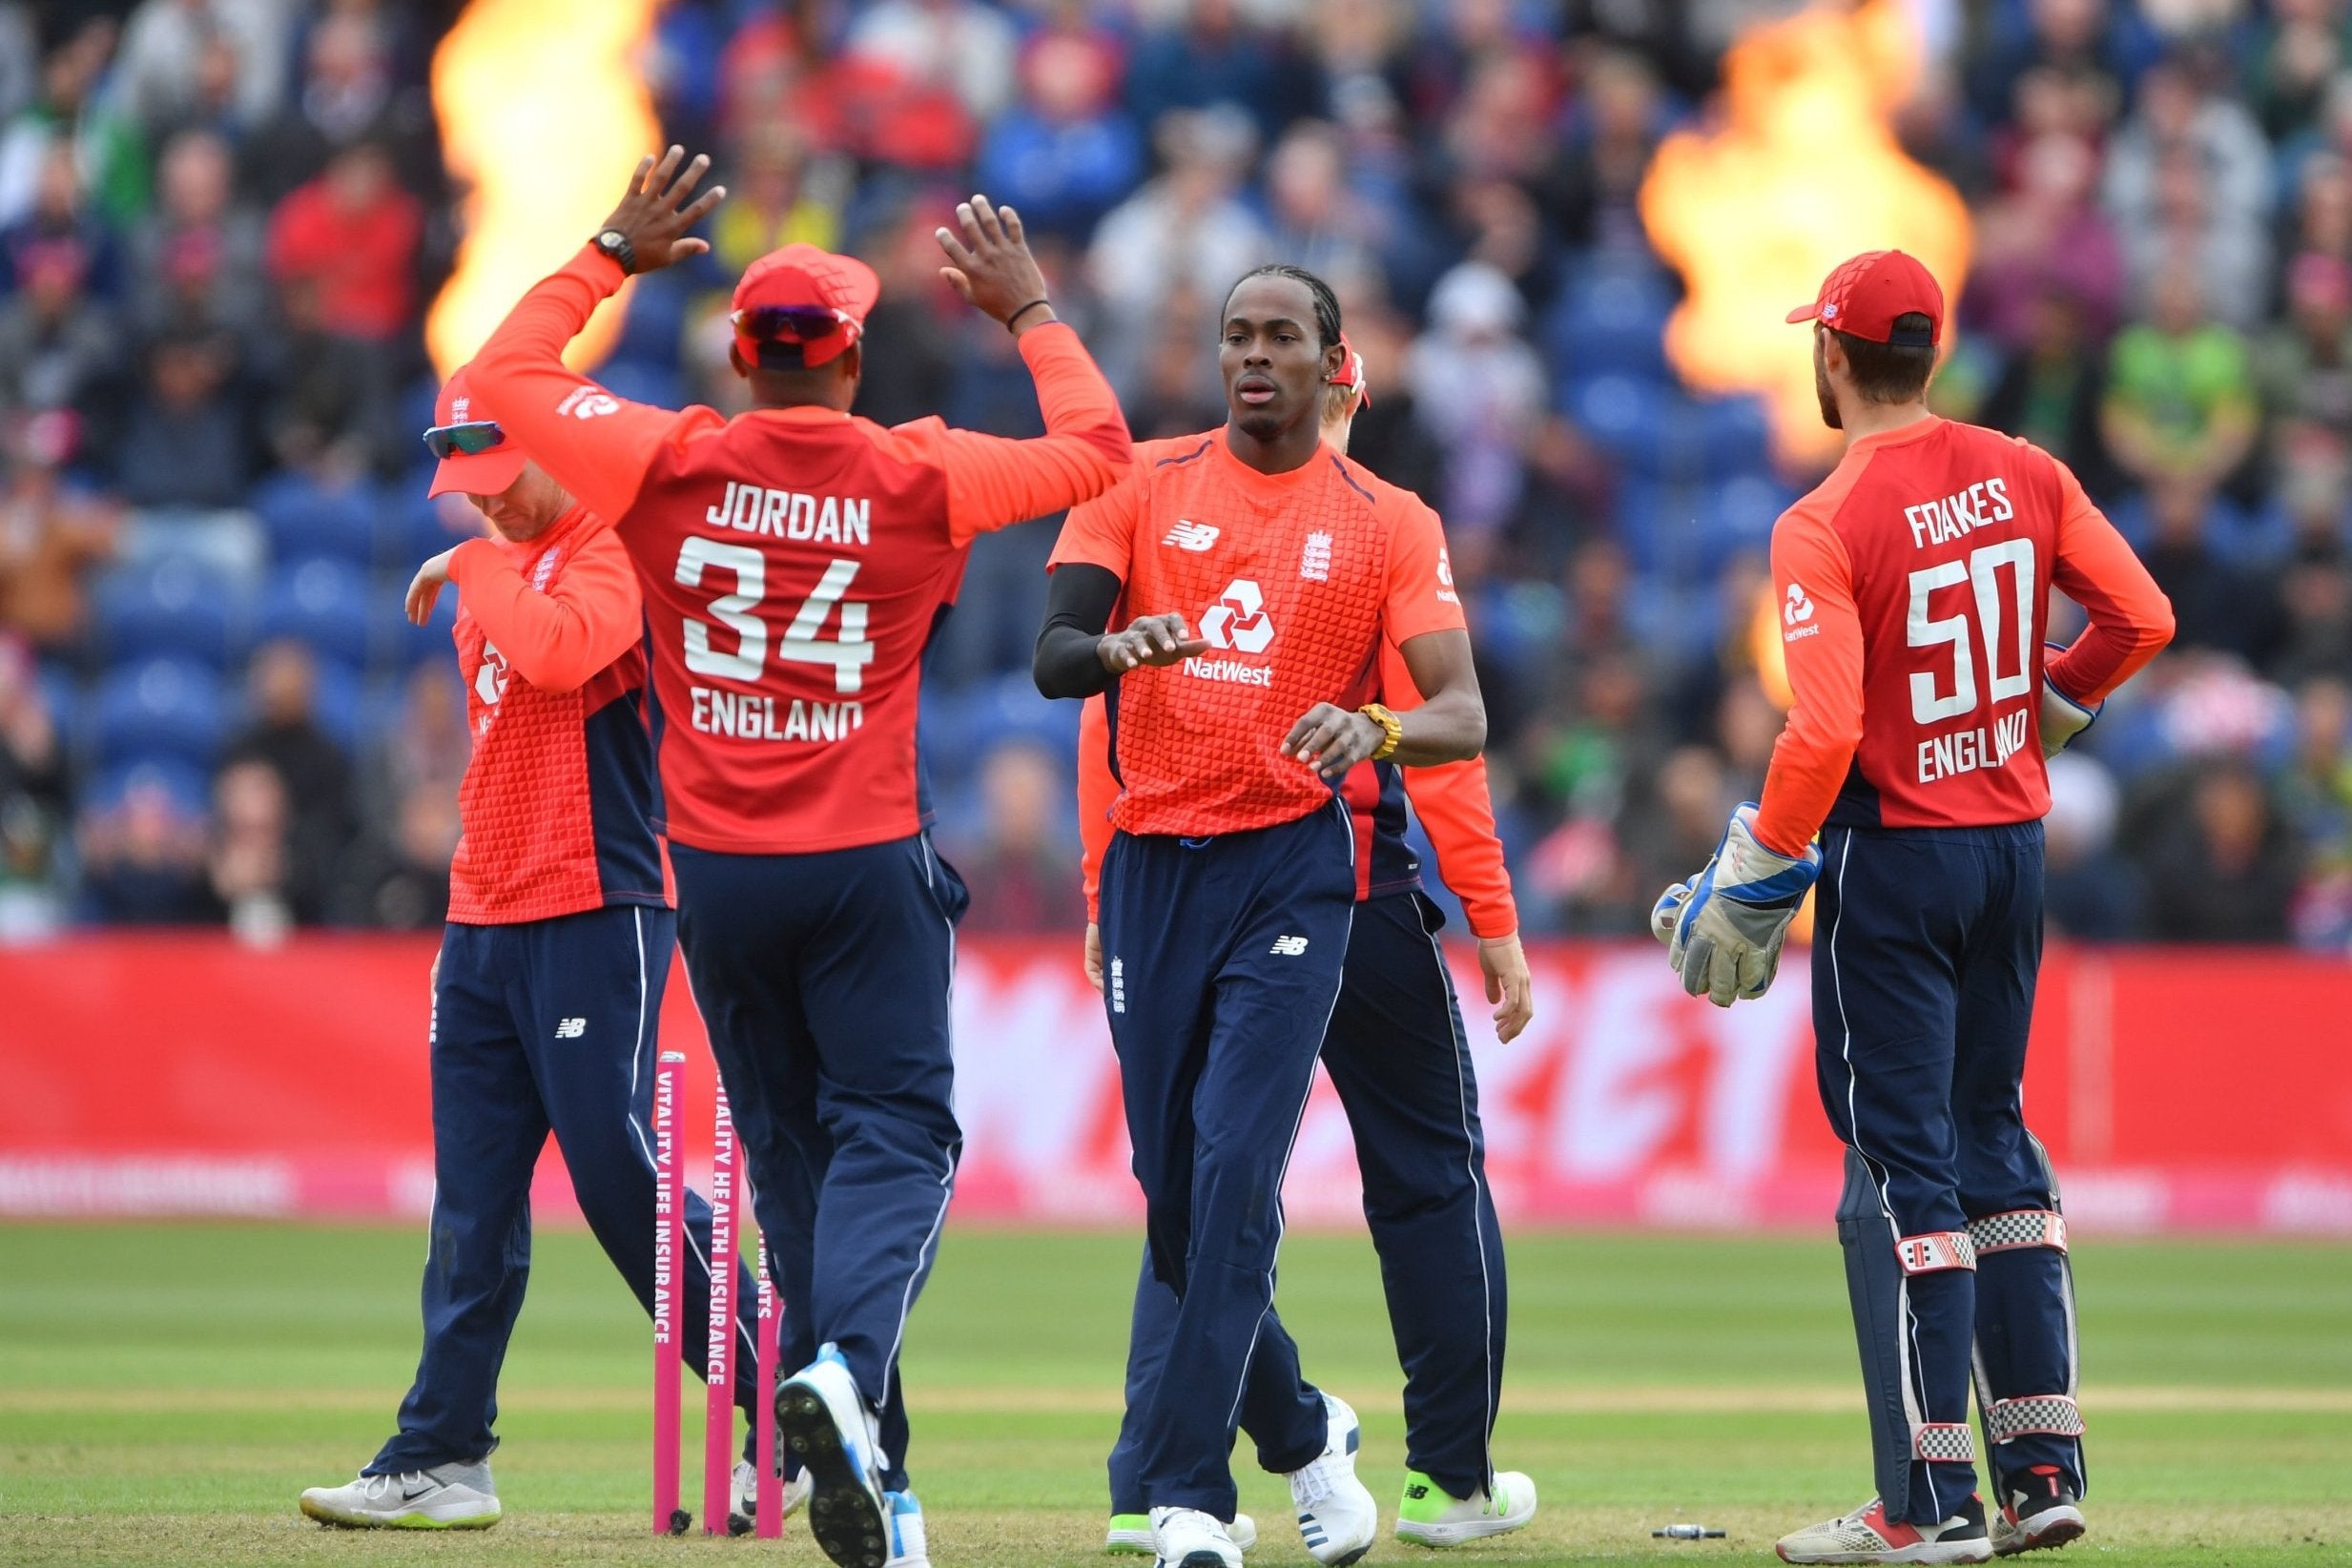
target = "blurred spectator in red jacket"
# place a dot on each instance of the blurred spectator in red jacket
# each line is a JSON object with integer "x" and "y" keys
{"x": 353, "y": 232}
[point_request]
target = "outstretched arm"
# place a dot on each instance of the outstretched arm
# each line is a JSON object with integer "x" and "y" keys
{"x": 598, "y": 446}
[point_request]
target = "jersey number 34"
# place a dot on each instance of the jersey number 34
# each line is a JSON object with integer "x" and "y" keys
{"x": 849, "y": 653}
{"x": 1981, "y": 571}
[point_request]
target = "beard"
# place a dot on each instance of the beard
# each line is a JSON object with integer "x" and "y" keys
{"x": 1830, "y": 415}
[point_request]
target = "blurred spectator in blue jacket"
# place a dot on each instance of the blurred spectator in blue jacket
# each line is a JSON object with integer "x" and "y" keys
{"x": 57, "y": 345}
{"x": 143, "y": 859}
{"x": 1065, "y": 152}
{"x": 1206, "y": 56}
{"x": 187, "y": 439}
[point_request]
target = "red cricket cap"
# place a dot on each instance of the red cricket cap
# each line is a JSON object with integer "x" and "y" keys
{"x": 1351, "y": 373}
{"x": 1864, "y": 296}
{"x": 781, "y": 291}
{"x": 472, "y": 473}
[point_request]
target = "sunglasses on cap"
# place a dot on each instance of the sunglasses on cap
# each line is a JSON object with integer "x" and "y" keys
{"x": 470, "y": 439}
{"x": 791, "y": 324}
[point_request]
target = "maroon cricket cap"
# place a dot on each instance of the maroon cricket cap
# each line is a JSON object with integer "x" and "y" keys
{"x": 1864, "y": 296}
{"x": 806, "y": 299}
{"x": 474, "y": 473}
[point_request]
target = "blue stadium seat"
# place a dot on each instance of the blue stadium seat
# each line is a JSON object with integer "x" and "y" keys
{"x": 397, "y": 645}
{"x": 320, "y": 602}
{"x": 175, "y": 607}
{"x": 158, "y": 708}
{"x": 641, "y": 381}
{"x": 652, "y": 331}
{"x": 339, "y": 703}
{"x": 187, "y": 788}
{"x": 1624, "y": 416}
{"x": 304, "y": 519}
{"x": 1611, "y": 322}
{"x": 412, "y": 529}
{"x": 1738, "y": 514}
{"x": 1733, "y": 436}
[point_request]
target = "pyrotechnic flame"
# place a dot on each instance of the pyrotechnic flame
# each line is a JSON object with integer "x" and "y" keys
{"x": 1801, "y": 171}
{"x": 544, "y": 109}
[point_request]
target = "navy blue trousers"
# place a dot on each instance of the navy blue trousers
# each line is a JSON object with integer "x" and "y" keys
{"x": 1397, "y": 1053}
{"x": 1222, "y": 962}
{"x": 1928, "y": 943}
{"x": 824, "y": 981}
{"x": 546, "y": 1025}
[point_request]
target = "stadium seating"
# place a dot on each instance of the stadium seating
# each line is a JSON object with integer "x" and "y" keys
{"x": 157, "y": 708}
{"x": 320, "y": 602}
{"x": 174, "y": 607}
{"x": 303, "y": 517}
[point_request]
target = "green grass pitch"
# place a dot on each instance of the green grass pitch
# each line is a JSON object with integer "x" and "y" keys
{"x": 165, "y": 1392}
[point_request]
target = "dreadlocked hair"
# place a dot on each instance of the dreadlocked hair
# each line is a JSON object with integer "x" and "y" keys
{"x": 1327, "y": 303}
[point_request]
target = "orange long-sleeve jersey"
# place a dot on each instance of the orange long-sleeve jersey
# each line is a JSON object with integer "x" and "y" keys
{"x": 1913, "y": 591}
{"x": 794, "y": 562}
{"x": 559, "y": 801}
{"x": 1452, "y": 801}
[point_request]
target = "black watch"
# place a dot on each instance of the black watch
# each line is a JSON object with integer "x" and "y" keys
{"x": 615, "y": 244}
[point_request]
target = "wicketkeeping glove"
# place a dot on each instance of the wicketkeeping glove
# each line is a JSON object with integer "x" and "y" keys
{"x": 2063, "y": 718}
{"x": 1729, "y": 921}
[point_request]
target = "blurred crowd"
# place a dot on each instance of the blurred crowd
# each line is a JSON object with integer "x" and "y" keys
{"x": 221, "y": 220}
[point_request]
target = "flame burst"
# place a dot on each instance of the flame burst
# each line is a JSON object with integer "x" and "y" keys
{"x": 1801, "y": 171}
{"x": 543, "y": 110}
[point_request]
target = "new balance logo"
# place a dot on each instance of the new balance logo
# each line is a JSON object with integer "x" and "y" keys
{"x": 571, "y": 1028}
{"x": 1118, "y": 985}
{"x": 1289, "y": 948}
{"x": 1195, "y": 537}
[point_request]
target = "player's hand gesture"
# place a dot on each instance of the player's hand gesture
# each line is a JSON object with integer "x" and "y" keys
{"x": 1509, "y": 986}
{"x": 424, "y": 588}
{"x": 992, "y": 267}
{"x": 655, "y": 214}
{"x": 1331, "y": 739}
{"x": 1150, "y": 639}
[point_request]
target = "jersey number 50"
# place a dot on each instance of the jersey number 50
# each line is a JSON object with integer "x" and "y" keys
{"x": 1981, "y": 571}
{"x": 848, "y": 653}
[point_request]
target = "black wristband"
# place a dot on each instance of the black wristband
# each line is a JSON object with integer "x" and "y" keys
{"x": 1024, "y": 310}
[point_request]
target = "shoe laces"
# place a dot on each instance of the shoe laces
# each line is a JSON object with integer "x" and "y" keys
{"x": 1314, "y": 1481}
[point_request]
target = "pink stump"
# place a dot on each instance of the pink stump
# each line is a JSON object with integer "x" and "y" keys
{"x": 669, "y": 1238}
{"x": 771, "y": 1518}
{"x": 718, "y": 1419}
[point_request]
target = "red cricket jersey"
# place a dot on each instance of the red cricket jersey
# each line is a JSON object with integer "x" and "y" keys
{"x": 1294, "y": 580}
{"x": 1914, "y": 588}
{"x": 793, "y": 562}
{"x": 559, "y": 802}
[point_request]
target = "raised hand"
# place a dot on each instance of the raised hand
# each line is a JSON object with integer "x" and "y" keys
{"x": 655, "y": 214}
{"x": 1148, "y": 639}
{"x": 991, "y": 265}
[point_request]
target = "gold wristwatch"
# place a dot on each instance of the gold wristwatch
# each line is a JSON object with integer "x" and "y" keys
{"x": 1393, "y": 729}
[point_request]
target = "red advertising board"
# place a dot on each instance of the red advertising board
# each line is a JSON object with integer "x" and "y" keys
{"x": 2179, "y": 1089}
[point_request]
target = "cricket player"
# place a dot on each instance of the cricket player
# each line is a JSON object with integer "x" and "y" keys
{"x": 1913, "y": 585}
{"x": 1395, "y": 1053}
{"x": 794, "y": 563}
{"x": 548, "y": 990}
{"x": 1259, "y": 573}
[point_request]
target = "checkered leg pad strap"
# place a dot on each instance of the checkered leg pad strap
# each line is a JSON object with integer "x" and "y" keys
{"x": 2051, "y": 1414}
{"x": 1935, "y": 1250}
{"x": 2019, "y": 1227}
{"x": 1944, "y": 1442}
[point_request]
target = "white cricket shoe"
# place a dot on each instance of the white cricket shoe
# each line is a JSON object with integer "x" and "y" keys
{"x": 1868, "y": 1535}
{"x": 909, "y": 1547}
{"x": 451, "y": 1496}
{"x": 825, "y": 1421}
{"x": 1431, "y": 1516}
{"x": 1337, "y": 1517}
{"x": 1131, "y": 1534}
{"x": 1185, "y": 1537}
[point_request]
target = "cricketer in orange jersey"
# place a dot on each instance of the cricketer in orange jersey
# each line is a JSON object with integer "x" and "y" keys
{"x": 1913, "y": 585}
{"x": 794, "y": 561}
{"x": 548, "y": 984}
{"x": 1261, "y": 573}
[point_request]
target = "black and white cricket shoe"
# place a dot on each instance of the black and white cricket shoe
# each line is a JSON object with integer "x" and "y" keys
{"x": 2038, "y": 1508}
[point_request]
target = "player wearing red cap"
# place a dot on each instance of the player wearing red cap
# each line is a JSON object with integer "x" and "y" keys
{"x": 794, "y": 563}
{"x": 1913, "y": 591}
{"x": 1229, "y": 890}
{"x": 550, "y": 973}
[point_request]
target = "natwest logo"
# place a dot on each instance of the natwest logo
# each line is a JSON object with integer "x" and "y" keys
{"x": 1238, "y": 619}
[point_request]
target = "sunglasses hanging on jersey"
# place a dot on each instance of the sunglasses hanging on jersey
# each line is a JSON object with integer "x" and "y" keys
{"x": 471, "y": 439}
{"x": 791, "y": 324}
